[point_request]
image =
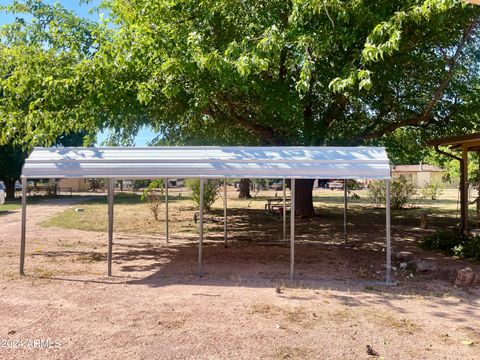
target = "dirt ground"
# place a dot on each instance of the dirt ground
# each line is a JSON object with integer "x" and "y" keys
{"x": 156, "y": 307}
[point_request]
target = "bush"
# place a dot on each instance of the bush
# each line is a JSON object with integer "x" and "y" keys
{"x": 469, "y": 249}
{"x": 444, "y": 241}
{"x": 432, "y": 190}
{"x": 209, "y": 193}
{"x": 152, "y": 196}
{"x": 96, "y": 184}
{"x": 453, "y": 243}
{"x": 401, "y": 194}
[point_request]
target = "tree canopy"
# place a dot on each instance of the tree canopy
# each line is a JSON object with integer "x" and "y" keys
{"x": 300, "y": 72}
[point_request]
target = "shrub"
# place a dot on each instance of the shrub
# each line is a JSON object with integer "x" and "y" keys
{"x": 401, "y": 193}
{"x": 432, "y": 190}
{"x": 152, "y": 196}
{"x": 470, "y": 248}
{"x": 453, "y": 243}
{"x": 444, "y": 241}
{"x": 209, "y": 193}
{"x": 96, "y": 184}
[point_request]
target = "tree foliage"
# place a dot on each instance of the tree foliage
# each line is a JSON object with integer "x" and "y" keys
{"x": 275, "y": 72}
{"x": 272, "y": 72}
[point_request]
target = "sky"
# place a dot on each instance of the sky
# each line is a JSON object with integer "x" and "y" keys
{"x": 145, "y": 135}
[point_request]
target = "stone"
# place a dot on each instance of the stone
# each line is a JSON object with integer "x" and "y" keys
{"x": 403, "y": 256}
{"x": 403, "y": 265}
{"x": 425, "y": 265}
{"x": 465, "y": 277}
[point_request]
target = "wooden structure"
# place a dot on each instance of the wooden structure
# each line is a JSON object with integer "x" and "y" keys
{"x": 459, "y": 147}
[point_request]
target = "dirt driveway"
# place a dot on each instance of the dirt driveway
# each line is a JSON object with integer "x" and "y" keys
{"x": 155, "y": 307}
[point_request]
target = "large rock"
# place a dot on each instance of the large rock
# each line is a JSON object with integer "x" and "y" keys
{"x": 465, "y": 277}
{"x": 403, "y": 256}
{"x": 426, "y": 265}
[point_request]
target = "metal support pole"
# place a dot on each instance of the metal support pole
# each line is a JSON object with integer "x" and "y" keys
{"x": 24, "y": 225}
{"x": 284, "y": 211}
{"x": 292, "y": 229}
{"x": 200, "y": 235}
{"x": 225, "y": 211}
{"x": 388, "y": 225}
{"x": 167, "y": 237}
{"x": 111, "y": 194}
{"x": 345, "y": 203}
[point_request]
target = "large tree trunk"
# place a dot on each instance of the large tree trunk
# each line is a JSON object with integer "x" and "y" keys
{"x": 244, "y": 189}
{"x": 9, "y": 189}
{"x": 303, "y": 198}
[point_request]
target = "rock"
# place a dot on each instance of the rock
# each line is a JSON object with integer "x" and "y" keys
{"x": 403, "y": 265}
{"x": 403, "y": 256}
{"x": 425, "y": 265}
{"x": 79, "y": 210}
{"x": 465, "y": 277}
{"x": 370, "y": 351}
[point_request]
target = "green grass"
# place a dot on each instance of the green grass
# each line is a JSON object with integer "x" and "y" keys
{"x": 12, "y": 205}
{"x": 246, "y": 217}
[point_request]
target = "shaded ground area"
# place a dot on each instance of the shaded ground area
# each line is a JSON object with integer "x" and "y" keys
{"x": 156, "y": 307}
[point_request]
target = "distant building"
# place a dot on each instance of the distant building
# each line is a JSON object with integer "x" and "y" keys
{"x": 420, "y": 174}
{"x": 75, "y": 185}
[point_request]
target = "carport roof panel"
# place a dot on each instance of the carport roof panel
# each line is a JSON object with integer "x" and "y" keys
{"x": 209, "y": 162}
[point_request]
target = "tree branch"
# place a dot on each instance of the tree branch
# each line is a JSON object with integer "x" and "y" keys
{"x": 425, "y": 115}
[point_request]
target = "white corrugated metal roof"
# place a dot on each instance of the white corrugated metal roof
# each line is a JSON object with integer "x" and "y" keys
{"x": 209, "y": 162}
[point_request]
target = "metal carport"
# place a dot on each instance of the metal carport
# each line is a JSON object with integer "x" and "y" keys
{"x": 205, "y": 162}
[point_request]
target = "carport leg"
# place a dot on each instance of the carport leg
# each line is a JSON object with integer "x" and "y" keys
{"x": 167, "y": 237}
{"x": 292, "y": 229}
{"x": 24, "y": 225}
{"x": 284, "y": 211}
{"x": 345, "y": 201}
{"x": 225, "y": 211}
{"x": 388, "y": 230}
{"x": 200, "y": 235}
{"x": 111, "y": 194}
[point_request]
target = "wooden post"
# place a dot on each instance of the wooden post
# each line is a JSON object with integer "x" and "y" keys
{"x": 292, "y": 230}
{"x": 464, "y": 190}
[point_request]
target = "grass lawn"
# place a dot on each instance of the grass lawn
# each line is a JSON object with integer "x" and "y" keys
{"x": 12, "y": 205}
{"x": 246, "y": 217}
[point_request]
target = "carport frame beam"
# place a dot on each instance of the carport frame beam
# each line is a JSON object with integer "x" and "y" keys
{"x": 167, "y": 235}
{"x": 110, "y": 196}
{"x": 24, "y": 226}
{"x": 200, "y": 232}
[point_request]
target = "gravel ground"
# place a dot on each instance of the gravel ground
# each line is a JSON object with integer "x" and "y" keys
{"x": 156, "y": 307}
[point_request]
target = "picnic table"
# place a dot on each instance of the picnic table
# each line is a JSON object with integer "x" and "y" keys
{"x": 274, "y": 206}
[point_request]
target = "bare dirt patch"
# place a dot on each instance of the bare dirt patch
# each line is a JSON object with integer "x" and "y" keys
{"x": 155, "y": 306}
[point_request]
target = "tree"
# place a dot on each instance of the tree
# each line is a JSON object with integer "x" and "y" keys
{"x": 244, "y": 189}
{"x": 11, "y": 162}
{"x": 276, "y": 72}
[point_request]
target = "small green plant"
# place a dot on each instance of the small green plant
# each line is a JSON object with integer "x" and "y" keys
{"x": 453, "y": 243}
{"x": 401, "y": 192}
{"x": 469, "y": 249}
{"x": 432, "y": 190}
{"x": 209, "y": 194}
{"x": 152, "y": 196}
{"x": 444, "y": 241}
{"x": 96, "y": 184}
